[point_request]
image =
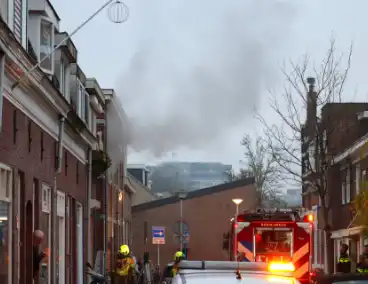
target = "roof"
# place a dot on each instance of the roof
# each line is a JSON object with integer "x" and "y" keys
{"x": 193, "y": 194}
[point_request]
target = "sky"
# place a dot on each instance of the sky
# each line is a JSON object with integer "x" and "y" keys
{"x": 190, "y": 73}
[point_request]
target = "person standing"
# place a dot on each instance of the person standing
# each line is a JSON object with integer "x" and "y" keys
{"x": 125, "y": 267}
{"x": 38, "y": 256}
{"x": 344, "y": 262}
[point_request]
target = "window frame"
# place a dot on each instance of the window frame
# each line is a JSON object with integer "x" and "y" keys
{"x": 7, "y": 198}
{"x": 46, "y": 204}
{"x": 87, "y": 109}
{"x": 52, "y": 56}
{"x": 80, "y": 98}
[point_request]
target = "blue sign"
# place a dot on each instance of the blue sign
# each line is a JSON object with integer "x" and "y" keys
{"x": 158, "y": 235}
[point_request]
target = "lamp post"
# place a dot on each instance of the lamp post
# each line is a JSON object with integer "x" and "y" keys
{"x": 182, "y": 195}
{"x": 237, "y": 202}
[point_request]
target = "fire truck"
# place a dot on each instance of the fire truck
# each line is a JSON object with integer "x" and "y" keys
{"x": 278, "y": 235}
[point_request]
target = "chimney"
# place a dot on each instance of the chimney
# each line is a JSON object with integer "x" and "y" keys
{"x": 311, "y": 107}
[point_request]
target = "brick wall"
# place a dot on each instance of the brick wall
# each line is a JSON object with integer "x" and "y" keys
{"x": 32, "y": 154}
{"x": 208, "y": 218}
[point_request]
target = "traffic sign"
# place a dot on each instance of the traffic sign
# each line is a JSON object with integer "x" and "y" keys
{"x": 158, "y": 235}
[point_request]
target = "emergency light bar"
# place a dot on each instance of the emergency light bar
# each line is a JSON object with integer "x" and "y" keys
{"x": 274, "y": 268}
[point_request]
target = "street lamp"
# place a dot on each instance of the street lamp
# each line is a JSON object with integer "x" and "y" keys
{"x": 182, "y": 194}
{"x": 237, "y": 202}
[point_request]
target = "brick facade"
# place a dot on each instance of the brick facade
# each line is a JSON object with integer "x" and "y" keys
{"x": 31, "y": 153}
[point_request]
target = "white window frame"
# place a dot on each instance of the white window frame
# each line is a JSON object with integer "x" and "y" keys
{"x": 52, "y": 56}
{"x": 80, "y": 98}
{"x": 86, "y": 107}
{"x": 46, "y": 202}
{"x": 24, "y": 24}
{"x": 62, "y": 75}
{"x": 343, "y": 192}
{"x": 8, "y": 199}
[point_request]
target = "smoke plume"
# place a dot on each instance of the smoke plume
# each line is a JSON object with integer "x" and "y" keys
{"x": 200, "y": 69}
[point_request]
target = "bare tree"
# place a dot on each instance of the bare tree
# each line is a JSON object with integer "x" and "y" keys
{"x": 301, "y": 109}
{"x": 264, "y": 167}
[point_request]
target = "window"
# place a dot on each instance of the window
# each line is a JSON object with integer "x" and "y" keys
{"x": 46, "y": 198}
{"x": 345, "y": 187}
{"x": 5, "y": 243}
{"x": 61, "y": 73}
{"x": 46, "y": 46}
{"x": 15, "y": 126}
{"x": 5, "y": 182}
{"x": 363, "y": 184}
{"x": 42, "y": 146}
{"x": 273, "y": 240}
{"x": 5, "y": 223}
{"x": 29, "y": 136}
{"x": 357, "y": 179}
{"x": 86, "y": 110}
{"x": 81, "y": 100}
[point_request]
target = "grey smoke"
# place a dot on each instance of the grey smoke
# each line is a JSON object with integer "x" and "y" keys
{"x": 200, "y": 69}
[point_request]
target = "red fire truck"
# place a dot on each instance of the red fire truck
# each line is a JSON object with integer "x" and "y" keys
{"x": 279, "y": 235}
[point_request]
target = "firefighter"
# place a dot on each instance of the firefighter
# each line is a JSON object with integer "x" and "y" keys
{"x": 344, "y": 263}
{"x": 362, "y": 266}
{"x": 125, "y": 266}
{"x": 179, "y": 256}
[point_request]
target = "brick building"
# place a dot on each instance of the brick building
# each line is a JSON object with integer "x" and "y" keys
{"x": 206, "y": 217}
{"x": 53, "y": 99}
{"x": 343, "y": 128}
{"x": 112, "y": 130}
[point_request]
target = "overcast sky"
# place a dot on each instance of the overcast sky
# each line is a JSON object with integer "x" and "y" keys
{"x": 190, "y": 72}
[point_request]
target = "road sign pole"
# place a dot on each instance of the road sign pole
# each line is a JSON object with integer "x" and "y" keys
{"x": 158, "y": 255}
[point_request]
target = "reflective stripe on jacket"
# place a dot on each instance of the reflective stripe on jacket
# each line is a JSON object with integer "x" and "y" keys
{"x": 362, "y": 270}
{"x": 344, "y": 264}
{"x": 344, "y": 259}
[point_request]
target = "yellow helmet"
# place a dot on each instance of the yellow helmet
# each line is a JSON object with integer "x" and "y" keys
{"x": 124, "y": 250}
{"x": 179, "y": 255}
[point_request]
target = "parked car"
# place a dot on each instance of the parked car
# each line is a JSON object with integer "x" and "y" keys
{"x": 231, "y": 272}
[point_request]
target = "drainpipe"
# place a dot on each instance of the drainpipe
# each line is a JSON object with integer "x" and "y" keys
{"x": 89, "y": 193}
{"x": 54, "y": 224}
{"x": 106, "y": 208}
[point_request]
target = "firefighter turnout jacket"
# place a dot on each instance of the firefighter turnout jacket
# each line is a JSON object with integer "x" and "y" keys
{"x": 344, "y": 264}
{"x": 174, "y": 269}
{"x": 124, "y": 266}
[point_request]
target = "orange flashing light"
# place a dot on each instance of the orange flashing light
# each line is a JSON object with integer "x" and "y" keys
{"x": 310, "y": 218}
{"x": 281, "y": 267}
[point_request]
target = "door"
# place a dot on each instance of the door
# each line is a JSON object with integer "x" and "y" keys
{"x": 29, "y": 243}
{"x": 79, "y": 234}
{"x": 61, "y": 249}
